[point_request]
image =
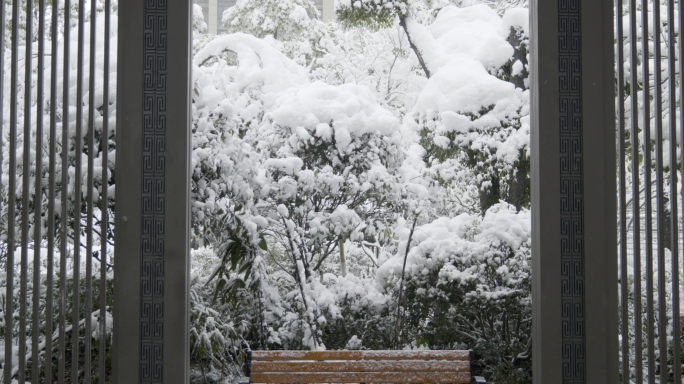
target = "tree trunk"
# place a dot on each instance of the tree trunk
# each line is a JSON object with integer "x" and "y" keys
{"x": 343, "y": 261}
{"x": 402, "y": 22}
{"x": 518, "y": 186}
{"x": 398, "y": 328}
{"x": 491, "y": 195}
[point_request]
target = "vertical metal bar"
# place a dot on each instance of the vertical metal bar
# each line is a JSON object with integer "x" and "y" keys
{"x": 89, "y": 204}
{"x": 674, "y": 243}
{"x": 634, "y": 141}
{"x": 2, "y": 92}
{"x": 660, "y": 204}
{"x": 2, "y": 87}
{"x": 681, "y": 120}
{"x": 11, "y": 198}
{"x": 64, "y": 217}
{"x": 26, "y": 179}
{"x": 624, "y": 293}
{"x": 104, "y": 200}
{"x": 648, "y": 225}
{"x": 49, "y": 311}
{"x": 78, "y": 152}
{"x": 38, "y": 195}
{"x": 2, "y": 117}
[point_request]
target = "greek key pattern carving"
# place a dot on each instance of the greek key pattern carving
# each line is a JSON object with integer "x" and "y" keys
{"x": 571, "y": 192}
{"x": 153, "y": 193}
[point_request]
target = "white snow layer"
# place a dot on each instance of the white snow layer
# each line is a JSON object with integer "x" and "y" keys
{"x": 352, "y": 108}
{"x": 295, "y": 102}
{"x": 515, "y": 18}
{"x": 474, "y": 31}
{"x": 469, "y": 42}
{"x": 463, "y": 235}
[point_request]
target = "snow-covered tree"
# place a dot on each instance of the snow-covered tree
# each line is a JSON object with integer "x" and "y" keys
{"x": 283, "y": 19}
{"x": 330, "y": 154}
{"x": 63, "y": 149}
{"x": 470, "y": 276}
{"x": 467, "y": 115}
{"x": 383, "y": 13}
{"x": 198, "y": 25}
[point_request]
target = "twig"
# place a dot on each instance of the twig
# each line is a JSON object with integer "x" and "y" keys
{"x": 363, "y": 247}
{"x": 397, "y": 332}
{"x": 203, "y": 375}
{"x": 402, "y": 22}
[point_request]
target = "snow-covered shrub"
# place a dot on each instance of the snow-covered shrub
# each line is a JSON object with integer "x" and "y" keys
{"x": 466, "y": 115}
{"x": 100, "y": 135}
{"x": 216, "y": 340}
{"x": 375, "y": 14}
{"x": 468, "y": 286}
{"x": 358, "y": 314}
{"x": 330, "y": 156}
{"x": 656, "y": 317}
{"x": 93, "y": 318}
{"x": 198, "y": 25}
{"x": 282, "y": 19}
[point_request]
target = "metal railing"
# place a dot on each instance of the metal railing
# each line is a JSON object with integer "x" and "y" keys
{"x": 55, "y": 211}
{"x": 648, "y": 100}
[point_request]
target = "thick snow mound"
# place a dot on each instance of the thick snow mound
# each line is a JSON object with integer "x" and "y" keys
{"x": 352, "y": 110}
{"x": 464, "y": 235}
{"x": 337, "y": 289}
{"x": 258, "y": 62}
{"x": 469, "y": 42}
{"x": 473, "y": 30}
{"x": 465, "y": 86}
{"x": 515, "y": 18}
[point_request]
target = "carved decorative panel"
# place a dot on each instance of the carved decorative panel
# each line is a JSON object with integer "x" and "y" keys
{"x": 571, "y": 189}
{"x": 153, "y": 193}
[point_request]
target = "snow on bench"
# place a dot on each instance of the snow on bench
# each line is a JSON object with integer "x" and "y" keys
{"x": 279, "y": 367}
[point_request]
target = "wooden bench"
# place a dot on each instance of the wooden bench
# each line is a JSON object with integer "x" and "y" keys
{"x": 294, "y": 367}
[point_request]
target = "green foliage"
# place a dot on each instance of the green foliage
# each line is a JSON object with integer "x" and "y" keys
{"x": 374, "y": 328}
{"x": 489, "y": 311}
{"x": 285, "y": 20}
{"x": 373, "y": 14}
{"x": 644, "y": 315}
{"x": 237, "y": 254}
{"x": 217, "y": 331}
{"x": 499, "y": 177}
{"x": 57, "y": 313}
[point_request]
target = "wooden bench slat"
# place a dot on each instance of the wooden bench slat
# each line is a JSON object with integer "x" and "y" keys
{"x": 362, "y": 366}
{"x": 360, "y": 355}
{"x": 354, "y": 377}
{"x": 417, "y": 355}
{"x": 306, "y": 355}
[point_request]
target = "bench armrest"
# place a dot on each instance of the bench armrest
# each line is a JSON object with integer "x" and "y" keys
{"x": 478, "y": 380}
{"x": 243, "y": 380}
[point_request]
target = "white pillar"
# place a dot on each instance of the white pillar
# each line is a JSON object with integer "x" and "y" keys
{"x": 212, "y": 20}
{"x": 328, "y": 10}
